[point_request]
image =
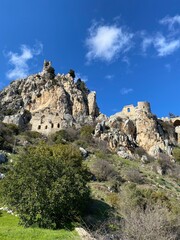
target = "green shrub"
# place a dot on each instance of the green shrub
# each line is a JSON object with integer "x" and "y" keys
{"x": 86, "y": 132}
{"x": 47, "y": 186}
{"x": 13, "y": 127}
{"x": 103, "y": 171}
{"x": 176, "y": 153}
{"x": 32, "y": 134}
{"x": 61, "y": 136}
{"x": 72, "y": 73}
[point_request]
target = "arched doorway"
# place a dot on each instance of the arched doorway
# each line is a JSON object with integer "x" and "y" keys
{"x": 176, "y": 123}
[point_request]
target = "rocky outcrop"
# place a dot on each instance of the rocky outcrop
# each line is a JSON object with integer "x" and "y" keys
{"x": 48, "y": 102}
{"x": 136, "y": 127}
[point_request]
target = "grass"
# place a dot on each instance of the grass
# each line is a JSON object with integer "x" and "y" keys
{"x": 9, "y": 229}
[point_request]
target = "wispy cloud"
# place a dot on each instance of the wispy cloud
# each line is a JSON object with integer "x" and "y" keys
{"x": 19, "y": 61}
{"x": 171, "y": 22}
{"x": 109, "y": 76}
{"x": 146, "y": 43}
{"x": 168, "y": 67}
{"x": 107, "y": 42}
{"x": 125, "y": 91}
{"x": 163, "y": 45}
{"x": 126, "y": 60}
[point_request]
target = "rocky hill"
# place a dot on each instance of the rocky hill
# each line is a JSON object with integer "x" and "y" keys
{"x": 46, "y": 102}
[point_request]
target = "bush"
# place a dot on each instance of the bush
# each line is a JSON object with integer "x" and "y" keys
{"x": 47, "y": 186}
{"x": 134, "y": 175}
{"x": 103, "y": 171}
{"x": 86, "y": 132}
{"x": 176, "y": 154}
{"x": 72, "y": 73}
{"x": 165, "y": 163}
{"x": 151, "y": 223}
{"x": 64, "y": 136}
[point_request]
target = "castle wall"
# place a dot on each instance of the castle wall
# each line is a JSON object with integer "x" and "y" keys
{"x": 128, "y": 110}
{"x": 144, "y": 106}
{"x": 46, "y": 123}
{"x": 131, "y": 111}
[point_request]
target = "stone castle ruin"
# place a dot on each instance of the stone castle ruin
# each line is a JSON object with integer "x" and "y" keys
{"x": 47, "y": 102}
{"x": 130, "y": 110}
{"x": 53, "y": 101}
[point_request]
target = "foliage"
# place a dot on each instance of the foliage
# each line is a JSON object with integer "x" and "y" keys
{"x": 64, "y": 136}
{"x": 176, "y": 153}
{"x": 86, "y": 132}
{"x": 165, "y": 163}
{"x": 134, "y": 175}
{"x": 72, "y": 73}
{"x": 82, "y": 86}
{"x": 7, "y": 132}
{"x": 150, "y": 224}
{"x": 103, "y": 171}
{"x": 47, "y": 186}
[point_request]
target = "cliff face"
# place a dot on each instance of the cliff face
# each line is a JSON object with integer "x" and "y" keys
{"x": 47, "y": 102}
{"x": 51, "y": 102}
{"x": 136, "y": 127}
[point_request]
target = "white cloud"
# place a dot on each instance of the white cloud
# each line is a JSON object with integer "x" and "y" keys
{"x": 170, "y": 21}
{"x": 19, "y": 62}
{"x": 147, "y": 41}
{"x": 106, "y": 42}
{"x": 163, "y": 45}
{"x": 109, "y": 76}
{"x": 126, "y": 60}
{"x": 125, "y": 91}
{"x": 168, "y": 67}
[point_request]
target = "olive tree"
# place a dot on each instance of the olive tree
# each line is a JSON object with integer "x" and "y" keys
{"x": 47, "y": 186}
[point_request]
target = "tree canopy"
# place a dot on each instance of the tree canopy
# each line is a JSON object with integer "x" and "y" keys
{"x": 47, "y": 186}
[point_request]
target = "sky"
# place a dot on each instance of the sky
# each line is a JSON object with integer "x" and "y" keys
{"x": 126, "y": 50}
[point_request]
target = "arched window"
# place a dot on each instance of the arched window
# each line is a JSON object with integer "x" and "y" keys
{"x": 177, "y": 123}
{"x": 46, "y": 127}
{"x": 39, "y": 127}
{"x": 128, "y": 109}
{"x": 58, "y": 125}
{"x": 52, "y": 125}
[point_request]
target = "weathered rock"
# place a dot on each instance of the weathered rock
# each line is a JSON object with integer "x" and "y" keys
{"x": 84, "y": 152}
{"x": 137, "y": 127}
{"x": 144, "y": 159}
{"x": 2, "y": 175}
{"x": 3, "y": 157}
{"x": 46, "y": 102}
{"x": 53, "y": 102}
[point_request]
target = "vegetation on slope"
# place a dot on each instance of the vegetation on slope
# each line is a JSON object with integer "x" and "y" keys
{"x": 130, "y": 199}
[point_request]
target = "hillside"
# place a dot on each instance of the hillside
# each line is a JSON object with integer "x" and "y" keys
{"x": 51, "y": 129}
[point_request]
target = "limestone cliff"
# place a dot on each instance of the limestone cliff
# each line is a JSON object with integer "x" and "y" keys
{"x": 136, "y": 127}
{"x": 48, "y": 102}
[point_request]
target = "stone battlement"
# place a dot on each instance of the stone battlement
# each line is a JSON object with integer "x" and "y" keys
{"x": 130, "y": 110}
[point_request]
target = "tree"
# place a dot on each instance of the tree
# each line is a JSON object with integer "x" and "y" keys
{"x": 72, "y": 73}
{"x": 47, "y": 186}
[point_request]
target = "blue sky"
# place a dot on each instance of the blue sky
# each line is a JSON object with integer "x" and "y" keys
{"x": 125, "y": 50}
